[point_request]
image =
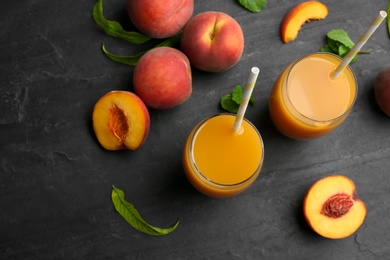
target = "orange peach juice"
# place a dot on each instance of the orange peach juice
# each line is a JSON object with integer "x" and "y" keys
{"x": 306, "y": 102}
{"x": 219, "y": 162}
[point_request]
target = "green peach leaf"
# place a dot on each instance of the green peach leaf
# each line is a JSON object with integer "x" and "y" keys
{"x": 254, "y": 6}
{"x": 339, "y": 43}
{"x": 237, "y": 94}
{"x": 342, "y": 37}
{"x": 333, "y": 45}
{"x": 388, "y": 18}
{"x": 113, "y": 28}
{"x": 228, "y": 104}
{"x": 326, "y": 48}
{"x": 132, "y": 60}
{"x": 131, "y": 215}
{"x": 343, "y": 50}
{"x": 127, "y": 60}
{"x": 252, "y": 100}
{"x": 231, "y": 101}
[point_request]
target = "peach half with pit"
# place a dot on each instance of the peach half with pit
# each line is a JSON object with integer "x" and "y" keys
{"x": 160, "y": 19}
{"x": 212, "y": 41}
{"x": 298, "y": 16}
{"x": 120, "y": 121}
{"x": 332, "y": 208}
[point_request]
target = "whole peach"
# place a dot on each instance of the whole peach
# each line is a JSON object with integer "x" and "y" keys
{"x": 160, "y": 19}
{"x": 382, "y": 89}
{"x": 212, "y": 41}
{"x": 162, "y": 78}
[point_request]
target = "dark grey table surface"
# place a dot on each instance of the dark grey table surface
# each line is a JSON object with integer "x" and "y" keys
{"x": 55, "y": 179}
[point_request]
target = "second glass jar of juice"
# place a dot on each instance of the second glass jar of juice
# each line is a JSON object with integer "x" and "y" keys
{"x": 221, "y": 163}
{"x": 307, "y": 102}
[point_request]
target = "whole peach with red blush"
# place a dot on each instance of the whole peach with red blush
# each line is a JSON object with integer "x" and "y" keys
{"x": 160, "y": 19}
{"x": 162, "y": 78}
{"x": 212, "y": 41}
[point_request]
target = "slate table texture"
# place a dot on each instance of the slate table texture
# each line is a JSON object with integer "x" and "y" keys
{"x": 56, "y": 179}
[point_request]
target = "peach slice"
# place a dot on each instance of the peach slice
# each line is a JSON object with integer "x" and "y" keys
{"x": 298, "y": 15}
{"x": 120, "y": 121}
{"x": 332, "y": 208}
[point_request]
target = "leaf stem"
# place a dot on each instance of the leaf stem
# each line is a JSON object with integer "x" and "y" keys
{"x": 364, "y": 52}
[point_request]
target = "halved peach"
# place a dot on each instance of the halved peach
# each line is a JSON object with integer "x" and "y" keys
{"x": 120, "y": 121}
{"x": 332, "y": 208}
{"x": 299, "y": 15}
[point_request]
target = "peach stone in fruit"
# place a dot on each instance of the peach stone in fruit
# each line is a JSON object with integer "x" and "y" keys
{"x": 332, "y": 208}
{"x": 160, "y": 19}
{"x": 299, "y": 15}
{"x": 212, "y": 41}
{"x": 120, "y": 121}
{"x": 162, "y": 78}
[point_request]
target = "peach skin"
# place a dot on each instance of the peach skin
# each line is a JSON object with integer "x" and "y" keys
{"x": 160, "y": 19}
{"x": 162, "y": 78}
{"x": 212, "y": 41}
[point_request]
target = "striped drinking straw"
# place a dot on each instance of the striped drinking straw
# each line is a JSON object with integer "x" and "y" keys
{"x": 245, "y": 98}
{"x": 362, "y": 40}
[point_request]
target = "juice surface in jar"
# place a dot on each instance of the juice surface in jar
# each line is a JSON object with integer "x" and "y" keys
{"x": 219, "y": 162}
{"x": 306, "y": 102}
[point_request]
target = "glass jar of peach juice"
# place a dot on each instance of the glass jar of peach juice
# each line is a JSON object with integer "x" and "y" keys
{"x": 307, "y": 102}
{"x": 219, "y": 162}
